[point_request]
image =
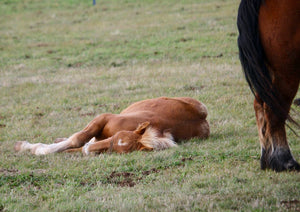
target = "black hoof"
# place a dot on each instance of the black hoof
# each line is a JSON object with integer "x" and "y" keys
{"x": 297, "y": 102}
{"x": 279, "y": 160}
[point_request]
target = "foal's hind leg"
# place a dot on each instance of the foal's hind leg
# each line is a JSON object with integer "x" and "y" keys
{"x": 77, "y": 140}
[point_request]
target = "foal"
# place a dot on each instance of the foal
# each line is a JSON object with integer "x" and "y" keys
{"x": 152, "y": 124}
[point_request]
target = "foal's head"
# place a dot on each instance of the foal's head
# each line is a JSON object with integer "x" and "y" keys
{"x": 128, "y": 141}
{"x": 144, "y": 137}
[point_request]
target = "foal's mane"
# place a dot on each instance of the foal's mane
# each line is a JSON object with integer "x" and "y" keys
{"x": 150, "y": 139}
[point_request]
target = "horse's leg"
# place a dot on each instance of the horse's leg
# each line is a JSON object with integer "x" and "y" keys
{"x": 57, "y": 140}
{"x": 97, "y": 146}
{"x": 261, "y": 125}
{"x": 281, "y": 157}
{"x": 77, "y": 140}
{"x": 279, "y": 35}
{"x": 275, "y": 151}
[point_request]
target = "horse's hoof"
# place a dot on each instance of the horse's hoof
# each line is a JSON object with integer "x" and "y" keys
{"x": 85, "y": 149}
{"x": 18, "y": 146}
{"x": 293, "y": 166}
{"x": 282, "y": 160}
{"x": 297, "y": 102}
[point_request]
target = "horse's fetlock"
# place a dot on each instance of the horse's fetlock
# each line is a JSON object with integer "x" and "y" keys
{"x": 85, "y": 149}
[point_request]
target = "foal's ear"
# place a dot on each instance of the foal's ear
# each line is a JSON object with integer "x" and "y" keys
{"x": 142, "y": 128}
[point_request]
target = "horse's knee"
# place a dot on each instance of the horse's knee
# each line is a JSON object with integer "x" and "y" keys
{"x": 79, "y": 139}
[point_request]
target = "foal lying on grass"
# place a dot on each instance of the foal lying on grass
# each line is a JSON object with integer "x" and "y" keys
{"x": 152, "y": 124}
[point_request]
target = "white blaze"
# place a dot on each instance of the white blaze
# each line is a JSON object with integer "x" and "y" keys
{"x": 120, "y": 143}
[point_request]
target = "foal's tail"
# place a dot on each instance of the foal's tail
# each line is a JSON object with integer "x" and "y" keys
{"x": 252, "y": 57}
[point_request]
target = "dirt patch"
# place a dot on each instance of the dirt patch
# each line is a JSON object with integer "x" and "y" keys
{"x": 9, "y": 171}
{"x": 291, "y": 204}
{"x": 213, "y": 56}
{"x": 186, "y": 159}
{"x": 87, "y": 183}
{"x": 129, "y": 179}
{"x": 154, "y": 170}
{"x": 122, "y": 179}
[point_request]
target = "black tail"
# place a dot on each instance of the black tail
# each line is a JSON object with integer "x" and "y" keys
{"x": 253, "y": 58}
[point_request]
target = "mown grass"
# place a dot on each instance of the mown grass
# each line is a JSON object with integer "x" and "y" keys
{"x": 63, "y": 62}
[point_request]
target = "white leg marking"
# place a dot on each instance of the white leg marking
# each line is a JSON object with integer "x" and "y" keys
{"x": 22, "y": 146}
{"x": 85, "y": 148}
{"x": 43, "y": 149}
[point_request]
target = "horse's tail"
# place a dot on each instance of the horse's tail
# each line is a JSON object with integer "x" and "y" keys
{"x": 252, "y": 57}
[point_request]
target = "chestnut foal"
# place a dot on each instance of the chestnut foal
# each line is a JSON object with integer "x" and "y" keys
{"x": 152, "y": 124}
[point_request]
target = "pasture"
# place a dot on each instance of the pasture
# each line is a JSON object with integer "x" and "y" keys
{"x": 64, "y": 62}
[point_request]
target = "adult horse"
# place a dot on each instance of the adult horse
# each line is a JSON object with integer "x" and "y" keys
{"x": 269, "y": 49}
{"x": 152, "y": 124}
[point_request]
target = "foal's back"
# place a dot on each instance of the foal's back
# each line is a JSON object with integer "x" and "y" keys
{"x": 171, "y": 108}
{"x": 183, "y": 117}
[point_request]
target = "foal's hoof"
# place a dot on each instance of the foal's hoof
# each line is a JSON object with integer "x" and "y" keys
{"x": 18, "y": 146}
{"x": 85, "y": 149}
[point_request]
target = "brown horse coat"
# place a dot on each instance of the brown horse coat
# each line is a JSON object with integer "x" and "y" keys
{"x": 146, "y": 125}
{"x": 269, "y": 47}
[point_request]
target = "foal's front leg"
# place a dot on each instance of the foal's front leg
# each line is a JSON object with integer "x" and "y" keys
{"x": 97, "y": 146}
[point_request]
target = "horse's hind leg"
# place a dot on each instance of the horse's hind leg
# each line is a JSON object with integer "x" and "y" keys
{"x": 261, "y": 125}
{"x": 281, "y": 157}
{"x": 280, "y": 38}
{"x": 275, "y": 151}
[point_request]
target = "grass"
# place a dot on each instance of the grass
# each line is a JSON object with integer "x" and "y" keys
{"x": 64, "y": 62}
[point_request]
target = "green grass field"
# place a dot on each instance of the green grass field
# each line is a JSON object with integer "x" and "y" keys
{"x": 64, "y": 62}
